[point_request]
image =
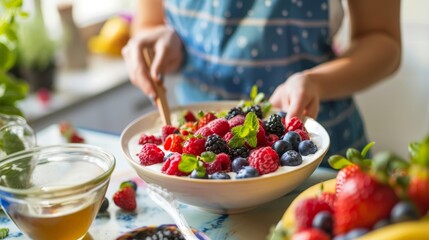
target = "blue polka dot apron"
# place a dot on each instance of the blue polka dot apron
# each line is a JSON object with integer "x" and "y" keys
{"x": 232, "y": 45}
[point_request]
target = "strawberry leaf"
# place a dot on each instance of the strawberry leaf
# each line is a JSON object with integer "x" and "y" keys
{"x": 338, "y": 162}
{"x": 259, "y": 98}
{"x": 253, "y": 92}
{"x": 188, "y": 163}
{"x": 366, "y": 149}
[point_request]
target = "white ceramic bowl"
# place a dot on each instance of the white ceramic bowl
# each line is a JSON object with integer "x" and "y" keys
{"x": 221, "y": 196}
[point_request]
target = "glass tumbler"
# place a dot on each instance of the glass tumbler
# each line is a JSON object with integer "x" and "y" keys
{"x": 55, "y": 192}
{"x": 15, "y": 135}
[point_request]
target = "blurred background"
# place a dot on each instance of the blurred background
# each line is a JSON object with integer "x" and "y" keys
{"x": 77, "y": 43}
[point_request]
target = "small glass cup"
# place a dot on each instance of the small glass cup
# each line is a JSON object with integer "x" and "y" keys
{"x": 15, "y": 135}
{"x": 55, "y": 192}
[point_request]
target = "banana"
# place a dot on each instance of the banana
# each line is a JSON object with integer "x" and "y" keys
{"x": 413, "y": 230}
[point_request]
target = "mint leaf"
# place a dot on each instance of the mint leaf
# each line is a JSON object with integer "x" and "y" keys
{"x": 259, "y": 98}
{"x": 251, "y": 121}
{"x": 237, "y": 130}
{"x": 253, "y": 92}
{"x": 252, "y": 140}
{"x": 236, "y": 142}
{"x": 188, "y": 163}
{"x": 208, "y": 156}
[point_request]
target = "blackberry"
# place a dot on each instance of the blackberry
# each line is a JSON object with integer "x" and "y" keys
{"x": 216, "y": 144}
{"x": 257, "y": 110}
{"x": 234, "y": 112}
{"x": 274, "y": 125}
{"x": 239, "y": 152}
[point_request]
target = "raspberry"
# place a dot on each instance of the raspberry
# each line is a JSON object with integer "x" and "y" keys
{"x": 219, "y": 126}
{"x": 224, "y": 161}
{"x": 261, "y": 137}
{"x": 194, "y": 146}
{"x": 174, "y": 143}
{"x": 208, "y": 117}
{"x": 271, "y": 139}
{"x": 264, "y": 159}
{"x": 213, "y": 167}
{"x": 306, "y": 209}
{"x": 274, "y": 125}
{"x": 189, "y": 116}
{"x": 216, "y": 144}
{"x": 150, "y": 154}
{"x": 329, "y": 198}
{"x": 227, "y": 137}
{"x": 294, "y": 124}
{"x": 303, "y": 134}
{"x": 167, "y": 130}
{"x": 125, "y": 199}
{"x": 171, "y": 166}
{"x": 236, "y": 121}
{"x": 149, "y": 139}
{"x": 204, "y": 131}
{"x": 234, "y": 112}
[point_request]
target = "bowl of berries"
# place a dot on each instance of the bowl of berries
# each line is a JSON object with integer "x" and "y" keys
{"x": 225, "y": 156}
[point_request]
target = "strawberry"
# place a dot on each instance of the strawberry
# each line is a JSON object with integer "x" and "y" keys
{"x": 344, "y": 174}
{"x": 174, "y": 143}
{"x": 208, "y": 117}
{"x": 167, "y": 130}
{"x": 310, "y": 234}
{"x": 189, "y": 116}
{"x": 150, "y": 154}
{"x": 187, "y": 128}
{"x": 76, "y": 138}
{"x": 219, "y": 126}
{"x": 362, "y": 202}
{"x": 194, "y": 146}
{"x": 306, "y": 209}
{"x": 125, "y": 199}
{"x": 264, "y": 159}
{"x": 329, "y": 198}
{"x": 69, "y": 133}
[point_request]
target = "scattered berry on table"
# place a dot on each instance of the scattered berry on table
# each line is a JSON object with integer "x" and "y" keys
{"x": 381, "y": 223}
{"x": 274, "y": 125}
{"x": 220, "y": 175}
{"x": 344, "y": 174}
{"x": 281, "y": 146}
{"x": 125, "y": 199}
{"x": 329, "y": 198}
{"x": 129, "y": 183}
{"x": 238, "y": 163}
{"x": 234, "y": 112}
{"x": 324, "y": 221}
{"x": 404, "y": 211}
{"x": 307, "y": 147}
{"x": 247, "y": 172}
{"x": 149, "y": 139}
{"x": 291, "y": 158}
{"x": 293, "y": 138}
{"x": 355, "y": 233}
{"x": 264, "y": 159}
{"x": 307, "y": 209}
{"x": 151, "y": 154}
{"x": 104, "y": 205}
{"x": 216, "y": 144}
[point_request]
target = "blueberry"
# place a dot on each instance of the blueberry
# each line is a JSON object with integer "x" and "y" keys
{"x": 307, "y": 147}
{"x": 403, "y": 211}
{"x": 324, "y": 221}
{"x": 293, "y": 138}
{"x": 281, "y": 146}
{"x": 381, "y": 223}
{"x": 247, "y": 172}
{"x": 104, "y": 206}
{"x": 291, "y": 158}
{"x": 355, "y": 233}
{"x": 282, "y": 114}
{"x": 238, "y": 164}
{"x": 220, "y": 175}
{"x": 129, "y": 183}
{"x": 199, "y": 174}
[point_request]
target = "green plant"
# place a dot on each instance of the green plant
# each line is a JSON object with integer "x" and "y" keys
{"x": 11, "y": 89}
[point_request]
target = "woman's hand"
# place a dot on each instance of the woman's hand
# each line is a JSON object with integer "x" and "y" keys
{"x": 298, "y": 96}
{"x": 168, "y": 56}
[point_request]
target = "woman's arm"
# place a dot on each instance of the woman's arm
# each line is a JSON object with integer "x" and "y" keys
{"x": 374, "y": 53}
{"x": 149, "y": 14}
